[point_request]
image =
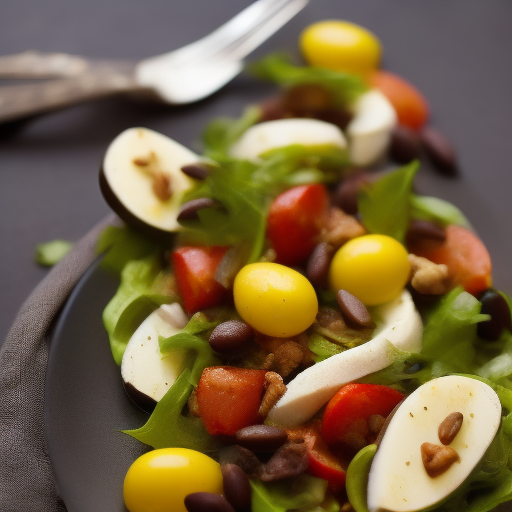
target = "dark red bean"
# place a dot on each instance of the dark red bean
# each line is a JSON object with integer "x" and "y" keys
{"x": 207, "y": 502}
{"x": 290, "y": 460}
{"x": 353, "y": 310}
{"x": 494, "y": 304}
{"x": 439, "y": 151}
{"x": 261, "y": 438}
{"x": 199, "y": 171}
{"x": 188, "y": 210}
{"x": 237, "y": 489}
{"x": 317, "y": 269}
{"x": 423, "y": 230}
{"x": 241, "y": 457}
{"x": 345, "y": 196}
{"x": 230, "y": 336}
{"x": 405, "y": 145}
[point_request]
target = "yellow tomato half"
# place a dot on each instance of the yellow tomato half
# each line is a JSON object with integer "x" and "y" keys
{"x": 341, "y": 46}
{"x": 374, "y": 268}
{"x": 159, "y": 480}
{"x": 274, "y": 299}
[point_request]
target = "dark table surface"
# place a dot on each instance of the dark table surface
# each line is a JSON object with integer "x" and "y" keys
{"x": 456, "y": 51}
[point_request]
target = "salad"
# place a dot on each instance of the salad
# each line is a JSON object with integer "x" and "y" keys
{"x": 306, "y": 331}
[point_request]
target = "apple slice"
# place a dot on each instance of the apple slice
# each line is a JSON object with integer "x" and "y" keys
{"x": 142, "y": 181}
{"x": 263, "y": 137}
{"x": 400, "y": 325}
{"x": 146, "y": 375}
{"x": 369, "y": 132}
{"x": 398, "y": 480}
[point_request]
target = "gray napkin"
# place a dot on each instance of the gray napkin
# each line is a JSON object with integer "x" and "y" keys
{"x": 26, "y": 477}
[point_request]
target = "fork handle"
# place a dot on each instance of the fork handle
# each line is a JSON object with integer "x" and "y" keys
{"x": 17, "y": 101}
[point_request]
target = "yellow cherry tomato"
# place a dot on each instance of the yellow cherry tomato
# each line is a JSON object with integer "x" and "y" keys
{"x": 274, "y": 299}
{"x": 341, "y": 46}
{"x": 374, "y": 268}
{"x": 159, "y": 480}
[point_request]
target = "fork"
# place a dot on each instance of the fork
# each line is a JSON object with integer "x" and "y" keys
{"x": 182, "y": 76}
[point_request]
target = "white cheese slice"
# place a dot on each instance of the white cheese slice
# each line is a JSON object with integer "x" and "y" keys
{"x": 311, "y": 389}
{"x": 398, "y": 481}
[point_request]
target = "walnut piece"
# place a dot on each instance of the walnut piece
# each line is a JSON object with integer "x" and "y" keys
{"x": 437, "y": 459}
{"x": 341, "y": 228}
{"x": 274, "y": 390}
{"x": 287, "y": 357}
{"x": 427, "y": 277}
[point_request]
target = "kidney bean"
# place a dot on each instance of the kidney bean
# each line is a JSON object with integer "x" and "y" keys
{"x": 345, "y": 196}
{"x": 261, "y": 438}
{"x": 317, "y": 269}
{"x": 237, "y": 489}
{"x": 353, "y": 310}
{"x": 230, "y": 336}
{"x": 423, "y": 229}
{"x": 494, "y": 304}
{"x": 290, "y": 460}
{"x": 439, "y": 151}
{"x": 188, "y": 210}
{"x": 405, "y": 145}
{"x": 199, "y": 171}
{"x": 207, "y": 502}
{"x": 242, "y": 457}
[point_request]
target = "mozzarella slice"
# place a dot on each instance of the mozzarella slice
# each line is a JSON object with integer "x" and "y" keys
{"x": 132, "y": 163}
{"x": 401, "y": 325}
{"x": 263, "y": 137}
{"x": 143, "y": 366}
{"x": 369, "y": 132}
{"x": 398, "y": 481}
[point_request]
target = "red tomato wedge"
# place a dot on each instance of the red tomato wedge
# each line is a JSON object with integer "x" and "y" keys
{"x": 349, "y": 412}
{"x": 465, "y": 255}
{"x": 411, "y": 106}
{"x": 295, "y": 220}
{"x": 229, "y": 398}
{"x": 322, "y": 463}
{"x": 194, "y": 268}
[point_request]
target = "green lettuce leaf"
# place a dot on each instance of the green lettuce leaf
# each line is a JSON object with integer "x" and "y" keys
{"x": 437, "y": 211}
{"x": 50, "y": 253}
{"x": 323, "y": 348}
{"x": 277, "y": 68}
{"x": 139, "y": 293}
{"x": 384, "y": 205}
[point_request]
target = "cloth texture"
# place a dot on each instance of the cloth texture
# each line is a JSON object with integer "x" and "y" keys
{"x": 26, "y": 477}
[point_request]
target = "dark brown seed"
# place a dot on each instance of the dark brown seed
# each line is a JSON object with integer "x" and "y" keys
{"x": 423, "y": 230}
{"x": 230, "y": 336}
{"x": 345, "y": 196}
{"x": 439, "y": 151}
{"x": 290, "y": 460}
{"x": 353, "y": 310}
{"x": 450, "y": 427}
{"x": 317, "y": 269}
{"x": 405, "y": 145}
{"x": 437, "y": 459}
{"x": 261, "y": 438}
{"x": 495, "y": 305}
{"x": 237, "y": 489}
{"x": 241, "y": 457}
{"x": 207, "y": 502}
{"x": 197, "y": 171}
{"x": 188, "y": 210}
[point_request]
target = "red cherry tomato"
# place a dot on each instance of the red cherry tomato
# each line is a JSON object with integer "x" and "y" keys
{"x": 295, "y": 220}
{"x": 322, "y": 463}
{"x": 348, "y": 413}
{"x": 410, "y": 105}
{"x": 229, "y": 398}
{"x": 468, "y": 261}
{"x": 194, "y": 268}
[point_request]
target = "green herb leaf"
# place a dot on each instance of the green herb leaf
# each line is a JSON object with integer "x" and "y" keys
{"x": 437, "y": 211}
{"x": 50, "y": 253}
{"x": 322, "y": 348}
{"x": 384, "y": 205}
{"x": 277, "y": 68}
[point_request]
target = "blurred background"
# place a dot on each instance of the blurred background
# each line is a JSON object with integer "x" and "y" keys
{"x": 455, "y": 51}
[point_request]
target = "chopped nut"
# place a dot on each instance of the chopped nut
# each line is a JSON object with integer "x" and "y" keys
{"x": 449, "y": 427}
{"x": 437, "y": 459}
{"x": 162, "y": 186}
{"x": 193, "y": 406}
{"x": 145, "y": 161}
{"x": 341, "y": 228}
{"x": 288, "y": 357}
{"x": 427, "y": 277}
{"x": 274, "y": 390}
{"x": 268, "y": 362}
